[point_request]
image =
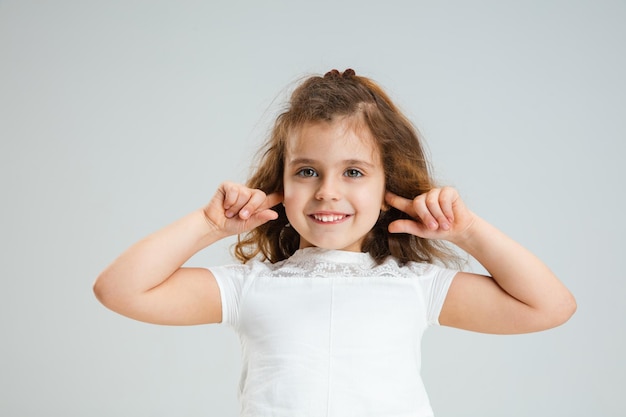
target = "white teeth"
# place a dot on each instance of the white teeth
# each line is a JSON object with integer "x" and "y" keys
{"x": 327, "y": 217}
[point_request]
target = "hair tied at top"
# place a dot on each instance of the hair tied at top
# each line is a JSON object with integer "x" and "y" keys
{"x": 349, "y": 73}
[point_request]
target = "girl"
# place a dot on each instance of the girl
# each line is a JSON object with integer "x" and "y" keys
{"x": 339, "y": 231}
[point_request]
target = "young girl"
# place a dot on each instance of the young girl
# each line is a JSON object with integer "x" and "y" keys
{"x": 339, "y": 231}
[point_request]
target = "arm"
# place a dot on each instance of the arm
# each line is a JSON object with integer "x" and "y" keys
{"x": 148, "y": 283}
{"x": 521, "y": 295}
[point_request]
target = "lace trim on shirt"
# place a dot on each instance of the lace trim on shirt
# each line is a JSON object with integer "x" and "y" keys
{"x": 320, "y": 263}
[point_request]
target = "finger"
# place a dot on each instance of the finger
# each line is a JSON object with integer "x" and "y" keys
{"x": 407, "y": 226}
{"x": 256, "y": 220}
{"x": 259, "y": 215}
{"x": 447, "y": 199}
{"x": 230, "y": 195}
{"x": 253, "y": 204}
{"x": 236, "y": 197}
{"x": 263, "y": 216}
{"x": 433, "y": 201}
{"x": 271, "y": 200}
{"x": 259, "y": 201}
{"x": 422, "y": 213}
{"x": 403, "y": 204}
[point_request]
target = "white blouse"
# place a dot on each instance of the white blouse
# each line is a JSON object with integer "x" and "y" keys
{"x": 330, "y": 333}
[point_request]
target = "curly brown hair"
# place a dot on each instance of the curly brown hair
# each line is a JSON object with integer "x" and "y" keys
{"x": 407, "y": 170}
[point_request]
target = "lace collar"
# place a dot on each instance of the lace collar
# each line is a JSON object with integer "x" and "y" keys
{"x": 332, "y": 256}
{"x": 318, "y": 262}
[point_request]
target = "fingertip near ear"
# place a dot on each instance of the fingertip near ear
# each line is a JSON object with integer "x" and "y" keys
{"x": 274, "y": 199}
{"x": 389, "y": 199}
{"x": 273, "y": 215}
{"x": 394, "y": 227}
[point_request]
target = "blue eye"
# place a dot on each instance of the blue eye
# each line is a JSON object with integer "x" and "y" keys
{"x": 353, "y": 173}
{"x": 306, "y": 172}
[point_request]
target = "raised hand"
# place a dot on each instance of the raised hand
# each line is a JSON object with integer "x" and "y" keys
{"x": 236, "y": 209}
{"x": 438, "y": 214}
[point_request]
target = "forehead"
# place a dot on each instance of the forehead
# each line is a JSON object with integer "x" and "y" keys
{"x": 341, "y": 136}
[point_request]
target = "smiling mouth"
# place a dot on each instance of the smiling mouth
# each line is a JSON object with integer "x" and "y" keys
{"x": 329, "y": 218}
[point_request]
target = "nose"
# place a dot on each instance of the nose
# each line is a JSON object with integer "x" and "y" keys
{"x": 328, "y": 189}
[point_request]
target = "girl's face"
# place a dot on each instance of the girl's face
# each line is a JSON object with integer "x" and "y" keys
{"x": 334, "y": 184}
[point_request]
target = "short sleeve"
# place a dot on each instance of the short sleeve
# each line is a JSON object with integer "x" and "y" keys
{"x": 230, "y": 280}
{"x": 435, "y": 282}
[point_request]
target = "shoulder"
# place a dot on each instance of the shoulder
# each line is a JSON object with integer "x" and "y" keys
{"x": 240, "y": 275}
{"x": 241, "y": 271}
{"x": 234, "y": 281}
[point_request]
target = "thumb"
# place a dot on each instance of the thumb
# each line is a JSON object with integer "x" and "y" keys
{"x": 259, "y": 218}
{"x": 407, "y": 226}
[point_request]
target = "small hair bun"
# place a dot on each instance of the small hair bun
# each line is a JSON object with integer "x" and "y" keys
{"x": 349, "y": 73}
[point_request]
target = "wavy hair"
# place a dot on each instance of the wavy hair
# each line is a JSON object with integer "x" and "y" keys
{"x": 407, "y": 170}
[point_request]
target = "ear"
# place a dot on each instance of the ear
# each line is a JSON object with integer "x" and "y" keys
{"x": 384, "y": 206}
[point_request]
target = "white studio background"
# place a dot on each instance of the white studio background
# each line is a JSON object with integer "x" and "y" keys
{"x": 118, "y": 117}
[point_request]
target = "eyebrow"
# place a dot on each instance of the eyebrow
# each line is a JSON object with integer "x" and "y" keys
{"x": 308, "y": 161}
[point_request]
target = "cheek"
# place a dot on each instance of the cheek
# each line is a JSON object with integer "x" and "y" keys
{"x": 290, "y": 194}
{"x": 373, "y": 194}
{"x": 292, "y": 200}
{"x": 293, "y": 211}
{"x": 373, "y": 204}
{"x": 372, "y": 207}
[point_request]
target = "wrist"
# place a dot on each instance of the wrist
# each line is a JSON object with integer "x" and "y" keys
{"x": 207, "y": 229}
{"x": 471, "y": 234}
{"x": 204, "y": 232}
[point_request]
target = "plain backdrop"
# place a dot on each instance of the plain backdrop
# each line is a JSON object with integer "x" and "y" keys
{"x": 117, "y": 117}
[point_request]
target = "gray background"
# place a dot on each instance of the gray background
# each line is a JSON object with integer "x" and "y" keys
{"x": 118, "y": 117}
